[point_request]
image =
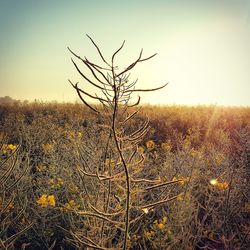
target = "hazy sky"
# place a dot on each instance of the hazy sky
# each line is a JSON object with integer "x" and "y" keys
{"x": 203, "y": 47}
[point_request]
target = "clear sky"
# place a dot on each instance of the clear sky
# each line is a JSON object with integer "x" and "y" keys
{"x": 203, "y": 47}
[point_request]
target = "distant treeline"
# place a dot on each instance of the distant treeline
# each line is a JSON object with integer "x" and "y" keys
{"x": 8, "y": 99}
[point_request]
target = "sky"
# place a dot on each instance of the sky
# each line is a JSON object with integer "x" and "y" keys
{"x": 202, "y": 46}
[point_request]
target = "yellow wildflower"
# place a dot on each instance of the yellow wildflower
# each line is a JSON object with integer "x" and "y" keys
{"x": 79, "y": 135}
{"x": 164, "y": 219}
{"x": 150, "y": 144}
{"x": 194, "y": 152}
{"x": 174, "y": 178}
{"x": 166, "y": 146}
{"x": 220, "y": 185}
{"x": 51, "y": 200}
{"x": 223, "y": 185}
{"x": 161, "y": 226}
{"x": 141, "y": 150}
{"x": 40, "y": 168}
{"x": 8, "y": 148}
{"x": 110, "y": 162}
{"x": 56, "y": 183}
{"x": 11, "y": 147}
{"x": 51, "y": 181}
{"x": 179, "y": 197}
{"x": 47, "y": 147}
{"x": 42, "y": 201}
{"x": 60, "y": 181}
{"x": 183, "y": 180}
{"x": 72, "y": 205}
{"x": 149, "y": 234}
{"x": 46, "y": 200}
{"x": 145, "y": 210}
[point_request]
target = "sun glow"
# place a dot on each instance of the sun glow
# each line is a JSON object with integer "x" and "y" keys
{"x": 213, "y": 182}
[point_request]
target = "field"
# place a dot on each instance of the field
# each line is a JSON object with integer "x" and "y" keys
{"x": 63, "y": 185}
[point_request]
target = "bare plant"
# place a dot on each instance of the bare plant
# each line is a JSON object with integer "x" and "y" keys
{"x": 11, "y": 172}
{"x": 116, "y": 169}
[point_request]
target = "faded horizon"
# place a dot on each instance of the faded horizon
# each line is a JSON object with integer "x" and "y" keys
{"x": 202, "y": 48}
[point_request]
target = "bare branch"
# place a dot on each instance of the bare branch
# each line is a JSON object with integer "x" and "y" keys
{"x": 147, "y": 58}
{"x": 81, "y": 98}
{"x": 99, "y": 217}
{"x": 96, "y": 67}
{"x": 152, "y": 205}
{"x": 106, "y": 214}
{"x": 135, "y": 104}
{"x": 130, "y": 116}
{"x": 162, "y": 184}
{"x": 91, "y": 244}
{"x": 113, "y": 56}
{"x": 131, "y": 66}
{"x": 89, "y": 95}
{"x": 86, "y": 78}
{"x": 98, "y": 49}
{"x": 90, "y": 65}
{"x": 146, "y": 90}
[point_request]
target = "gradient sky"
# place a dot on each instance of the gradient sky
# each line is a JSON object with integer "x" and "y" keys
{"x": 203, "y": 47}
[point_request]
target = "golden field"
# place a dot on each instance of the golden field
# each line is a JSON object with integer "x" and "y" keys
{"x": 62, "y": 184}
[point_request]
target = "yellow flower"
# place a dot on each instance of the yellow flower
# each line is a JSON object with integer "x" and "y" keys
{"x": 141, "y": 150}
{"x": 60, "y": 181}
{"x": 150, "y": 144}
{"x": 145, "y": 210}
{"x": 10, "y": 206}
{"x": 164, "y": 219}
{"x": 46, "y": 200}
{"x": 42, "y": 201}
{"x": 220, "y": 185}
{"x": 8, "y": 148}
{"x": 71, "y": 205}
{"x": 182, "y": 180}
{"x": 179, "y": 197}
{"x": 166, "y": 146}
{"x": 161, "y": 226}
{"x": 223, "y": 185}
{"x": 56, "y": 183}
{"x": 40, "y": 168}
{"x": 47, "y": 147}
{"x": 194, "y": 152}
{"x": 174, "y": 178}
{"x": 11, "y": 147}
{"x": 51, "y": 200}
{"x": 110, "y": 162}
{"x": 149, "y": 234}
{"x": 51, "y": 181}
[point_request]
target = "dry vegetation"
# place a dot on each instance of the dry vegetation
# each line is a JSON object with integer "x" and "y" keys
{"x": 45, "y": 193}
{"x": 107, "y": 177}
